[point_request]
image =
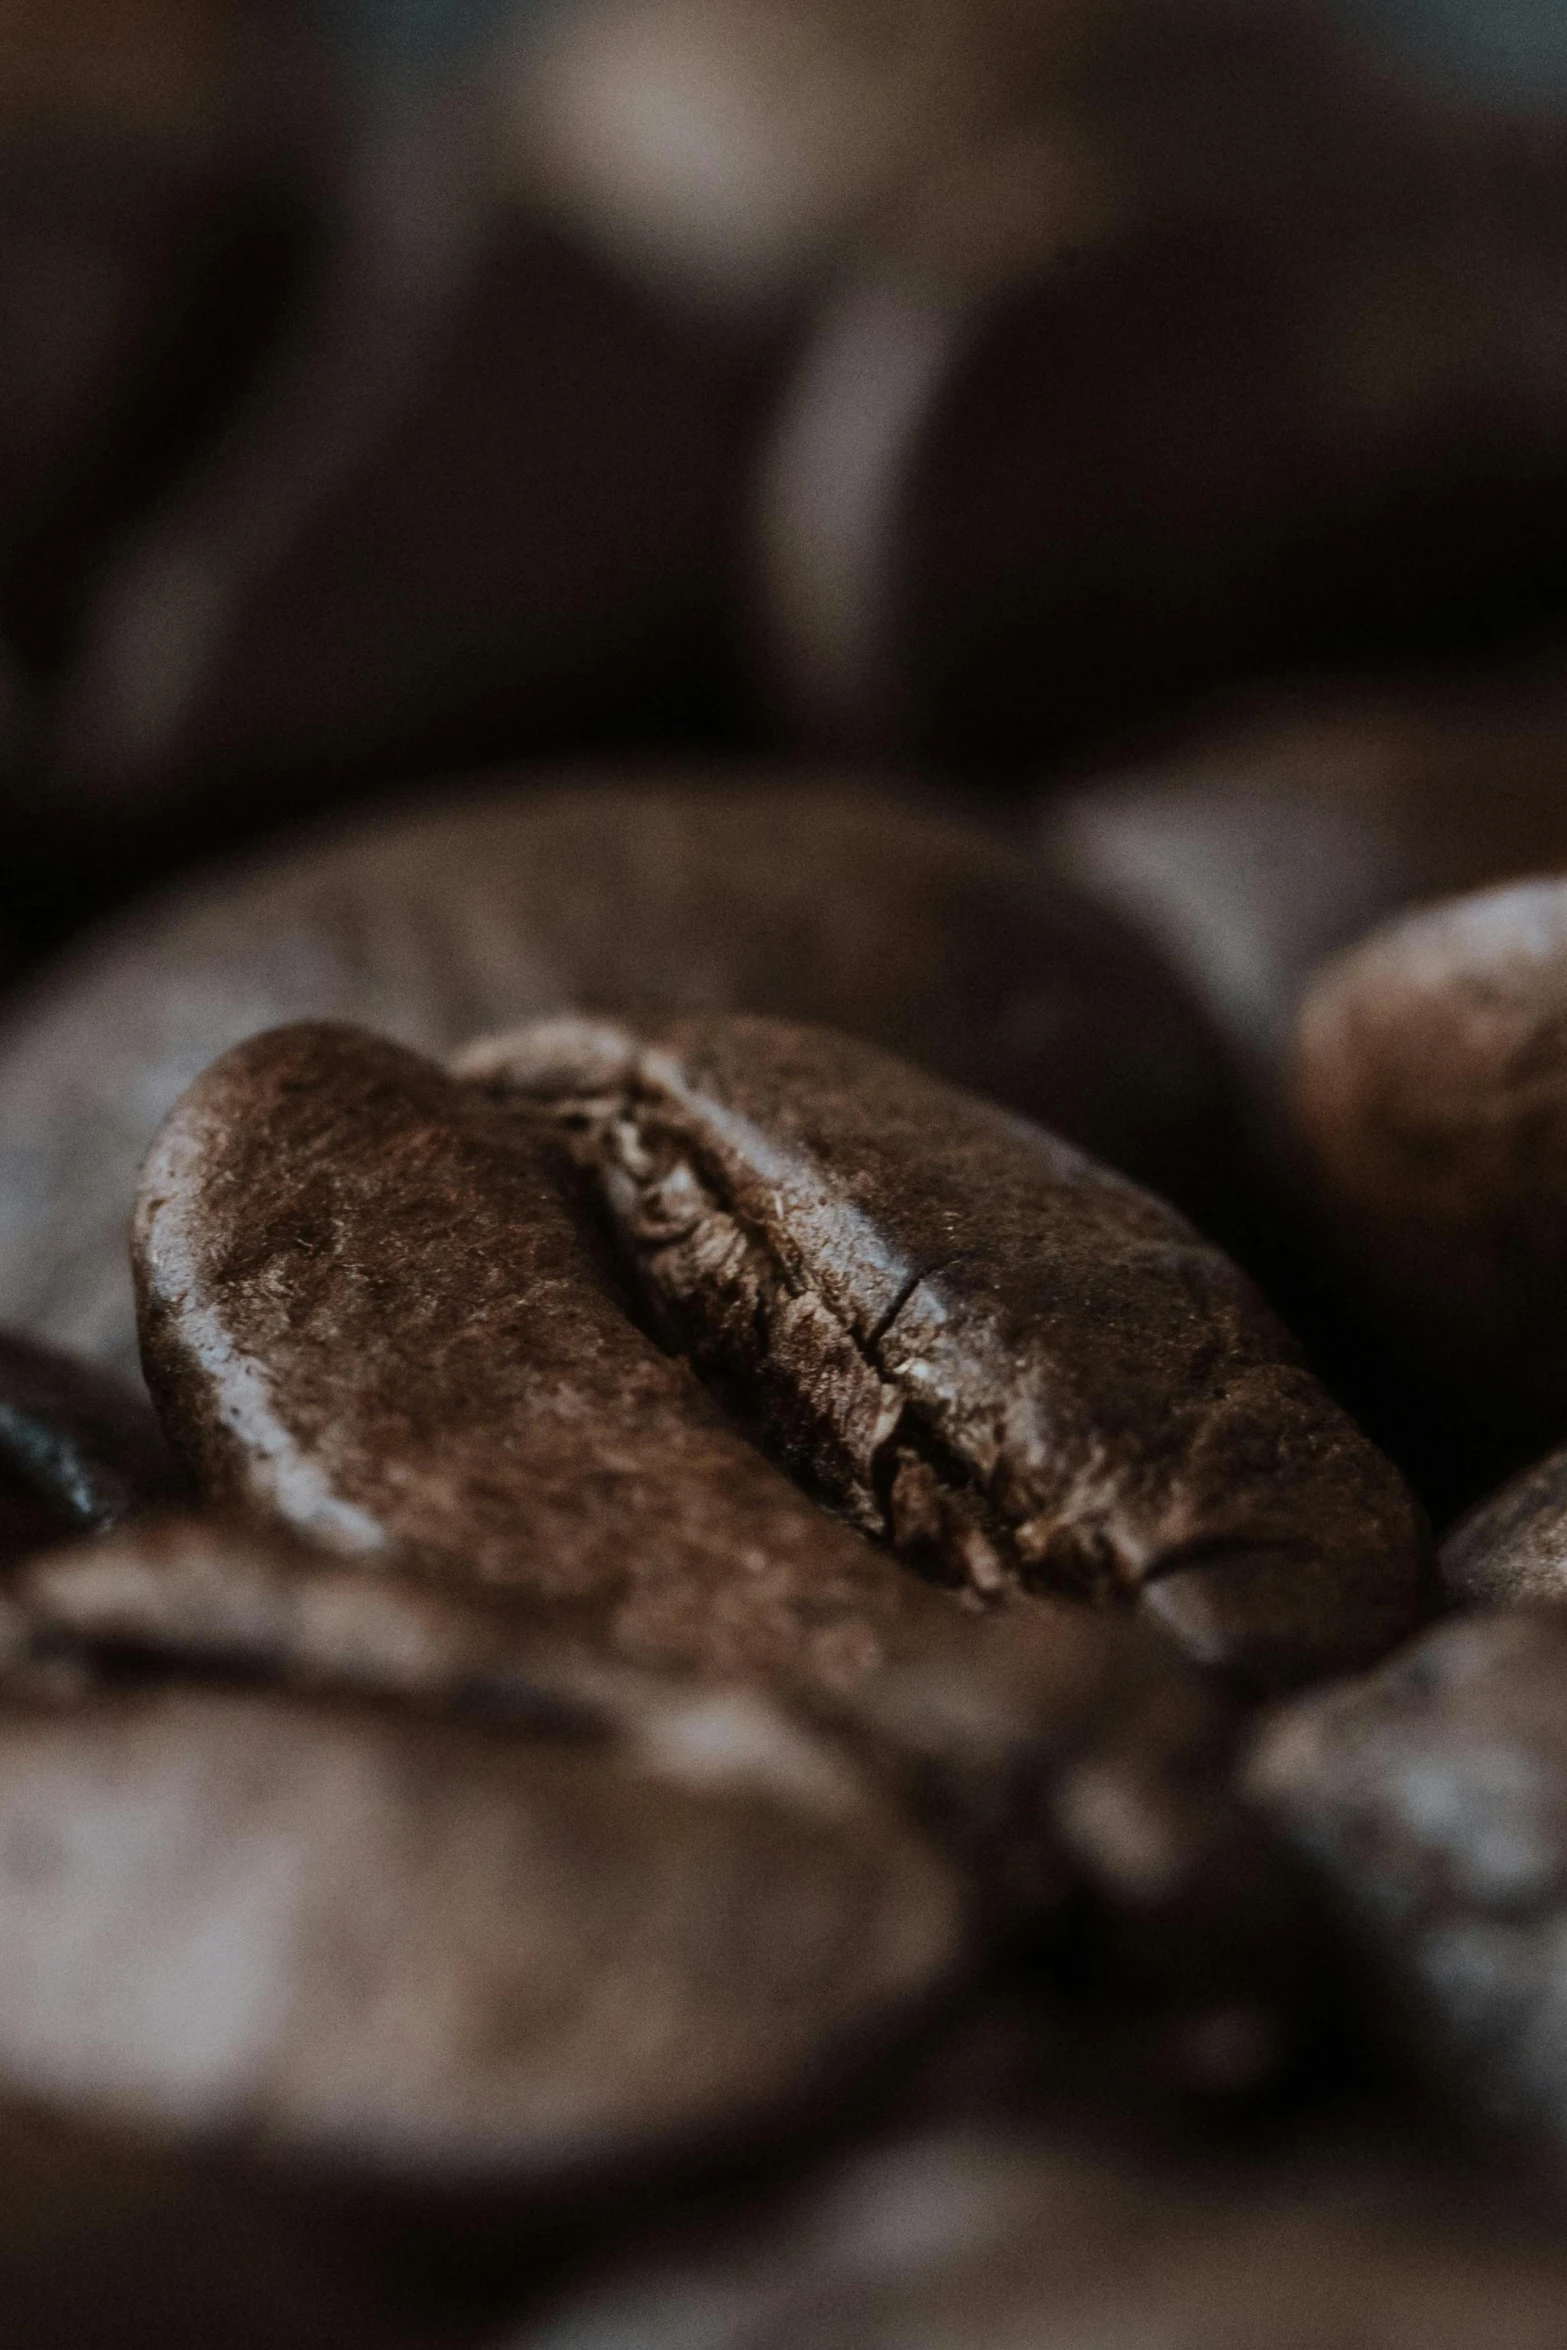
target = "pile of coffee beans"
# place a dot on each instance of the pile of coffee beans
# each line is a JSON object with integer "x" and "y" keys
{"x": 783, "y": 1177}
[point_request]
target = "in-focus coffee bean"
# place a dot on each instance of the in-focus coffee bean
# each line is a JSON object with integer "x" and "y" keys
{"x": 1024, "y": 1372}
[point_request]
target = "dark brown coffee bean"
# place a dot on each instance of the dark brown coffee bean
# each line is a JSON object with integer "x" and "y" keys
{"x": 1061, "y": 1754}
{"x": 1431, "y": 1793}
{"x": 1022, "y": 1370}
{"x": 1512, "y": 1550}
{"x": 77, "y": 1449}
{"x": 1430, "y": 1099}
{"x": 812, "y": 898}
{"x": 445, "y": 1955}
{"x": 153, "y": 221}
{"x": 1007, "y": 509}
{"x": 1006, "y": 1360}
{"x": 482, "y": 507}
{"x": 1079, "y": 2236}
{"x": 378, "y": 1312}
{"x": 1254, "y": 850}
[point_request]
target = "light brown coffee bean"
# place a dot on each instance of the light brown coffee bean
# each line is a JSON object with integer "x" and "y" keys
{"x": 812, "y": 896}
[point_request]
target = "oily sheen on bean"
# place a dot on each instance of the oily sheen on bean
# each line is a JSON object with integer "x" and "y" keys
{"x": 377, "y": 1305}
{"x": 380, "y": 1312}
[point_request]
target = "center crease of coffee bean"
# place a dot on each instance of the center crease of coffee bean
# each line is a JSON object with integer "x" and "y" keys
{"x": 765, "y": 1339}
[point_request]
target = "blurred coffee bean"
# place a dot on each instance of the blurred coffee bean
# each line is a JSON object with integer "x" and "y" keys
{"x": 1244, "y": 875}
{"x": 734, "y": 154}
{"x": 738, "y": 155}
{"x": 1277, "y": 835}
{"x": 1309, "y": 412}
{"x": 1070, "y": 1767}
{"x": 154, "y": 216}
{"x": 1429, "y": 1101}
{"x": 1431, "y": 1794}
{"x": 77, "y": 1449}
{"x": 523, "y": 1958}
{"x": 1512, "y": 1550}
{"x": 814, "y": 898}
{"x": 131, "y": 2245}
{"x": 1075, "y": 2236}
{"x": 482, "y": 503}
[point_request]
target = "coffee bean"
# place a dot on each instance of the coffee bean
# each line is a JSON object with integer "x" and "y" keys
{"x": 481, "y": 507}
{"x": 1008, "y": 1361}
{"x": 530, "y": 1956}
{"x": 816, "y": 898}
{"x": 77, "y": 1449}
{"x": 1429, "y": 1099}
{"x": 379, "y": 1314}
{"x": 1075, "y": 2234}
{"x": 1064, "y": 1756}
{"x": 1023, "y": 1371}
{"x": 1261, "y": 844}
{"x": 1139, "y": 471}
{"x": 1431, "y": 1794}
{"x": 611, "y": 1823}
{"x": 153, "y": 225}
{"x": 1511, "y": 1551}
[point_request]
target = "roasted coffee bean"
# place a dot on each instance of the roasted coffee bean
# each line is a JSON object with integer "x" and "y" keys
{"x": 1011, "y": 1363}
{"x": 1008, "y": 508}
{"x": 1024, "y": 1372}
{"x": 154, "y": 220}
{"x": 1512, "y": 1550}
{"x": 1242, "y": 873}
{"x": 529, "y": 1956}
{"x": 1066, "y": 1755}
{"x": 820, "y": 900}
{"x": 1430, "y": 1097}
{"x": 1431, "y": 1794}
{"x": 77, "y": 1449}
{"x": 1275, "y": 837}
{"x": 1079, "y": 2237}
{"x": 481, "y": 507}
{"x": 119, "y": 2241}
